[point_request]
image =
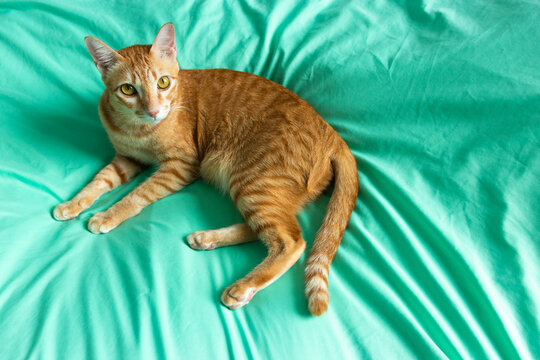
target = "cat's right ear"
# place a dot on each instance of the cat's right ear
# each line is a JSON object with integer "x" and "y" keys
{"x": 104, "y": 57}
{"x": 164, "y": 44}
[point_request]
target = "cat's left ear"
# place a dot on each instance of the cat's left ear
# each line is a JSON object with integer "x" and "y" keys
{"x": 164, "y": 44}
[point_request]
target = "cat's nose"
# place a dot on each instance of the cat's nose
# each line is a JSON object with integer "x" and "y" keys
{"x": 153, "y": 113}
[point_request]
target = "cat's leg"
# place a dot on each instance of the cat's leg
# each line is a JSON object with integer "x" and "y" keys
{"x": 171, "y": 176}
{"x": 120, "y": 170}
{"x": 231, "y": 235}
{"x": 281, "y": 234}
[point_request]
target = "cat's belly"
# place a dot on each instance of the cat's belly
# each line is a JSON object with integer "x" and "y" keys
{"x": 216, "y": 169}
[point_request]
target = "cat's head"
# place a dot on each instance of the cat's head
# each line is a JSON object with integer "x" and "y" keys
{"x": 142, "y": 79}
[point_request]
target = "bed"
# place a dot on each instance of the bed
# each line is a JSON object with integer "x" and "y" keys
{"x": 439, "y": 102}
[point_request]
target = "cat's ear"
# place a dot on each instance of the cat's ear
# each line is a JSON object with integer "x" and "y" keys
{"x": 164, "y": 44}
{"x": 104, "y": 57}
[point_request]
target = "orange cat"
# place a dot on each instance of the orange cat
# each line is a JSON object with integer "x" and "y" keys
{"x": 247, "y": 135}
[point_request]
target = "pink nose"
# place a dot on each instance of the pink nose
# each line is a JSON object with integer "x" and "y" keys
{"x": 153, "y": 113}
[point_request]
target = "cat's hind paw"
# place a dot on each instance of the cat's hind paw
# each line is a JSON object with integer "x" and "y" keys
{"x": 201, "y": 240}
{"x": 237, "y": 295}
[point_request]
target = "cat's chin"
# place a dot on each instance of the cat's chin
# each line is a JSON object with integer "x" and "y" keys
{"x": 149, "y": 120}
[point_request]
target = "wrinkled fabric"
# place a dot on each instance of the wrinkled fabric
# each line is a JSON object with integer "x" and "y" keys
{"x": 439, "y": 102}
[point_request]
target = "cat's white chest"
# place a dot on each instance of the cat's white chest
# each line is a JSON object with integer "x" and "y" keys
{"x": 141, "y": 150}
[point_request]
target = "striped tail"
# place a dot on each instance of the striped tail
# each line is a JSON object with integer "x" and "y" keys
{"x": 329, "y": 236}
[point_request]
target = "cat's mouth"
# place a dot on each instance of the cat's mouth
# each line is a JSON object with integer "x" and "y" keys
{"x": 162, "y": 114}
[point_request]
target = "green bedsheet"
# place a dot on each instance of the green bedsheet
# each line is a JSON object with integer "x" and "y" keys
{"x": 439, "y": 102}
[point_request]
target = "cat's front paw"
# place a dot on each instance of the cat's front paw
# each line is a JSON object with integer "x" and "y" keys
{"x": 67, "y": 211}
{"x": 101, "y": 223}
{"x": 237, "y": 295}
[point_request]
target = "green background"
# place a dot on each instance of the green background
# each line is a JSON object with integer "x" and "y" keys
{"x": 440, "y": 103}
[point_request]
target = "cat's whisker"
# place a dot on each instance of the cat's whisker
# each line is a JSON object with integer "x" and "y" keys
{"x": 180, "y": 108}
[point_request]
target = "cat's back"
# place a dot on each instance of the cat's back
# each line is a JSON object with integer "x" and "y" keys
{"x": 225, "y": 91}
{"x": 230, "y": 102}
{"x": 242, "y": 117}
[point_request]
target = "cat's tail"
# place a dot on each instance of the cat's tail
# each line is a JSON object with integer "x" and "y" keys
{"x": 329, "y": 236}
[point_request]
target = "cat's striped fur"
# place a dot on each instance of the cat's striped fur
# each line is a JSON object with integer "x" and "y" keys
{"x": 247, "y": 135}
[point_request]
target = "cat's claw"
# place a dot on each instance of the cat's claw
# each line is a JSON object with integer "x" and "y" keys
{"x": 236, "y": 296}
{"x": 200, "y": 241}
{"x": 101, "y": 223}
{"x": 67, "y": 211}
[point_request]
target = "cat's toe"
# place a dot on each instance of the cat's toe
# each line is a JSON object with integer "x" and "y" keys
{"x": 100, "y": 223}
{"x": 237, "y": 295}
{"x": 66, "y": 211}
{"x": 200, "y": 241}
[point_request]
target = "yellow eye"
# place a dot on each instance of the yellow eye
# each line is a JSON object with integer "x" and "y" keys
{"x": 163, "y": 82}
{"x": 127, "y": 89}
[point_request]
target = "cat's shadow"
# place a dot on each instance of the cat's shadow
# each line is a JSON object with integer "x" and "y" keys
{"x": 77, "y": 130}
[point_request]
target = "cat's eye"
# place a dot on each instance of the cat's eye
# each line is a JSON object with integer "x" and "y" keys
{"x": 163, "y": 82}
{"x": 127, "y": 89}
